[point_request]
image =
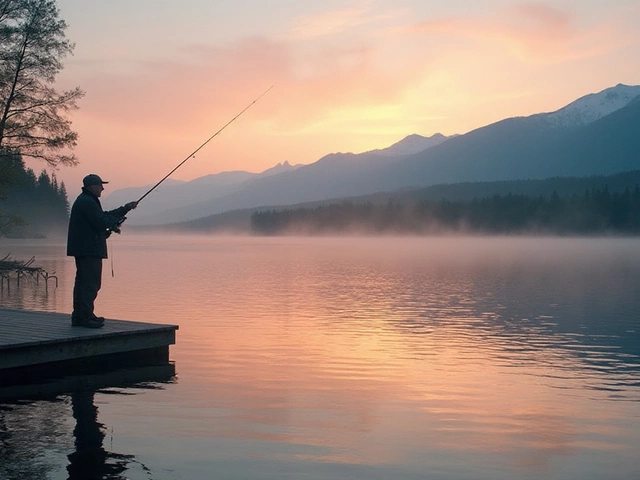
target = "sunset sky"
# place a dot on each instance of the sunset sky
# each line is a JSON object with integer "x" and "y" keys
{"x": 161, "y": 76}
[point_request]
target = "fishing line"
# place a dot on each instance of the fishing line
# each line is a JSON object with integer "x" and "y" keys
{"x": 192, "y": 154}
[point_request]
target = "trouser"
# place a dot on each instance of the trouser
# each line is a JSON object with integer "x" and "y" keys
{"x": 86, "y": 286}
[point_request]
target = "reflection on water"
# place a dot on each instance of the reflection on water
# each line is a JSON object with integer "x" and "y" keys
{"x": 30, "y": 439}
{"x": 37, "y": 434}
{"x": 352, "y": 358}
{"x": 90, "y": 460}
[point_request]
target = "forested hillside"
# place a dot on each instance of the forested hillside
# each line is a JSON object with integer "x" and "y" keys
{"x": 30, "y": 205}
{"x": 596, "y": 211}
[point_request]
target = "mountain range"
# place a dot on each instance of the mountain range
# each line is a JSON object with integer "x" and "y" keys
{"x": 598, "y": 134}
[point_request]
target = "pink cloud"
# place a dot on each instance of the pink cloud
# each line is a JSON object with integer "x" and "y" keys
{"x": 542, "y": 18}
{"x": 153, "y": 112}
{"x": 209, "y": 85}
{"x": 337, "y": 21}
{"x": 534, "y": 32}
{"x": 177, "y": 94}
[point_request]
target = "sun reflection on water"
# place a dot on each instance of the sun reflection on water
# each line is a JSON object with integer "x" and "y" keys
{"x": 497, "y": 356}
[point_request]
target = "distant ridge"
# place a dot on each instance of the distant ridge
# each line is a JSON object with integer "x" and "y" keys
{"x": 595, "y": 135}
{"x": 238, "y": 221}
{"x": 412, "y": 144}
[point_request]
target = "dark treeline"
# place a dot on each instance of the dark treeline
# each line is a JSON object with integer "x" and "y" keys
{"x": 596, "y": 211}
{"x": 30, "y": 205}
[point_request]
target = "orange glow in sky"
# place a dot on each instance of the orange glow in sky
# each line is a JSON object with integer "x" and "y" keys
{"x": 349, "y": 76}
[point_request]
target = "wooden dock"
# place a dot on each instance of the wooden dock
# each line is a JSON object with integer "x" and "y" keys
{"x": 45, "y": 343}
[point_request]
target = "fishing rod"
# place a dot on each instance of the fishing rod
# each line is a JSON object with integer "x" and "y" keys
{"x": 192, "y": 154}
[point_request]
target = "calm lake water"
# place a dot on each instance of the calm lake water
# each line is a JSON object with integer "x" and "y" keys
{"x": 354, "y": 358}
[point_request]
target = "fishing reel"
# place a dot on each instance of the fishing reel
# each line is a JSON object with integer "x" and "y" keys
{"x": 116, "y": 229}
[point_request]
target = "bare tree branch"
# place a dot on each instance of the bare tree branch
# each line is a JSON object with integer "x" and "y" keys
{"x": 33, "y": 115}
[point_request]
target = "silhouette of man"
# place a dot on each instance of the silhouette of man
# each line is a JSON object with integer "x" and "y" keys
{"x": 89, "y": 228}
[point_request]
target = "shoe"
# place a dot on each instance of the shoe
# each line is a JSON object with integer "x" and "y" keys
{"x": 92, "y": 323}
{"x": 88, "y": 323}
{"x": 77, "y": 321}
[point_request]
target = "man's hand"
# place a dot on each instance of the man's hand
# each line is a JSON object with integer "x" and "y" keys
{"x": 131, "y": 205}
{"x": 116, "y": 229}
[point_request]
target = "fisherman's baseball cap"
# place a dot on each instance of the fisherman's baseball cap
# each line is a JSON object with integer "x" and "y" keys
{"x": 92, "y": 179}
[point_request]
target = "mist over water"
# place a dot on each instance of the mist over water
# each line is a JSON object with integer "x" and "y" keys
{"x": 358, "y": 358}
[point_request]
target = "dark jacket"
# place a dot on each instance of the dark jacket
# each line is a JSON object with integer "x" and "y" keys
{"x": 89, "y": 226}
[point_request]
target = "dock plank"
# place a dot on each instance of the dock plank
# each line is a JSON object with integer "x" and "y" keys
{"x": 32, "y": 338}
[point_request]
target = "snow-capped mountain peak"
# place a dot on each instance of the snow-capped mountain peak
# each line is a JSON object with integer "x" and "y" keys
{"x": 592, "y": 107}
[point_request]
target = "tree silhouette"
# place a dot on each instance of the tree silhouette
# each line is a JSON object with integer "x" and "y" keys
{"x": 31, "y": 205}
{"x": 597, "y": 211}
{"x": 33, "y": 115}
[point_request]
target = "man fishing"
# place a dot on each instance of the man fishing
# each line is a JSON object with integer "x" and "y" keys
{"x": 89, "y": 228}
